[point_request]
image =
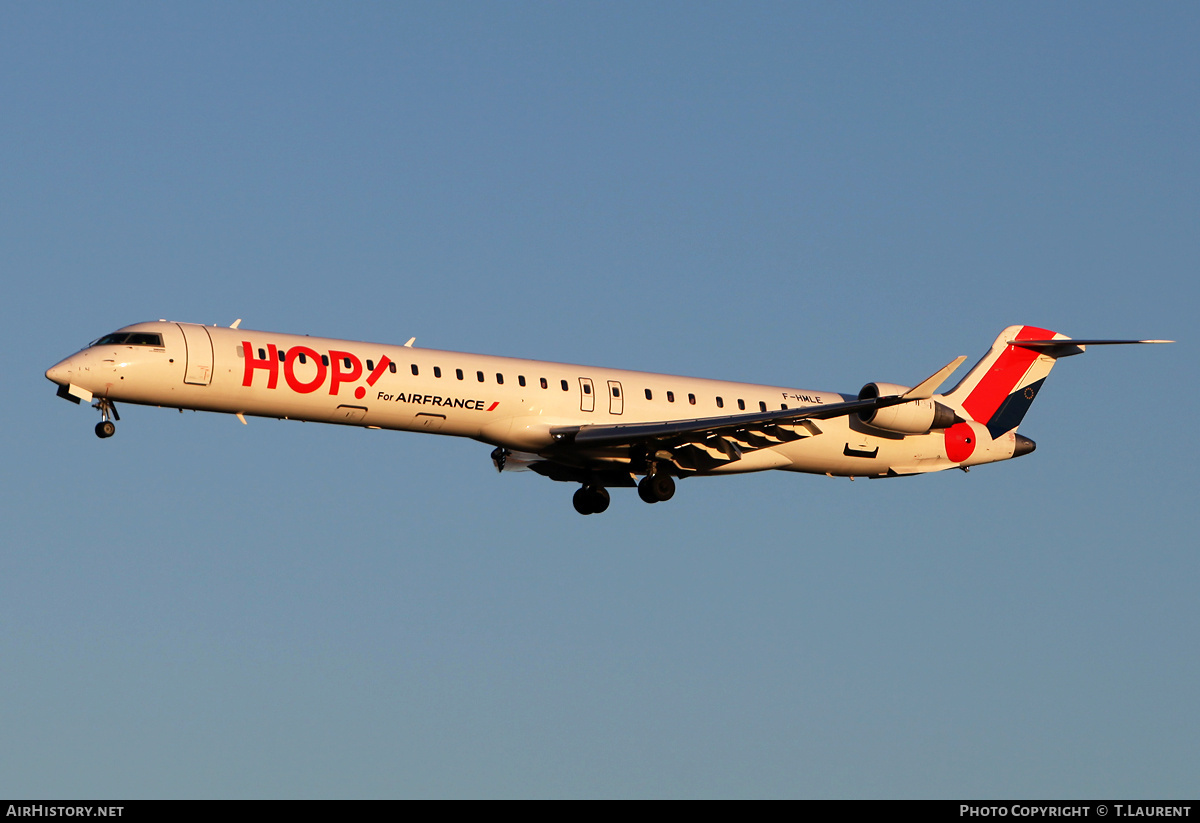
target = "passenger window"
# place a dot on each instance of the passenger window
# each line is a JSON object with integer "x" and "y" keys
{"x": 616, "y": 391}
{"x": 670, "y": 397}
{"x": 414, "y": 369}
{"x": 587, "y": 388}
{"x": 282, "y": 355}
{"x": 499, "y": 379}
{"x": 691, "y": 398}
{"x": 720, "y": 403}
{"x": 741, "y": 404}
{"x": 545, "y": 385}
{"x": 262, "y": 354}
{"x": 370, "y": 365}
{"x": 458, "y": 373}
{"x": 437, "y": 371}
{"x": 649, "y": 395}
{"x": 564, "y": 385}
{"x": 392, "y": 368}
{"x": 479, "y": 374}
{"x": 302, "y": 358}
{"x": 762, "y": 406}
{"x": 325, "y": 360}
{"x": 520, "y": 380}
{"x": 783, "y": 406}
{"x": 346, "y": 362}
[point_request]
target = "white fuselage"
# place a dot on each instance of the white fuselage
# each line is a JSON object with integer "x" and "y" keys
{"x": 507, "y": 402}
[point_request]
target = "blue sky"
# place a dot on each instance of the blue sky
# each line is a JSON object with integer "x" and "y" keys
{"x": 809, "y": 195}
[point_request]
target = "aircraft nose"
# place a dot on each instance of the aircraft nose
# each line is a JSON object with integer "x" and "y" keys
{"x": 58, "y": 373}
{"x": 63, "y": 371}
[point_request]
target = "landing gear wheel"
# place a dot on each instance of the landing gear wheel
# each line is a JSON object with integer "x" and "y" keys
{"x": 107, "y": 408}
{"x": 600, "y": 500}
{"x": 591, "y": 499}
{"x": 656, "y": 488}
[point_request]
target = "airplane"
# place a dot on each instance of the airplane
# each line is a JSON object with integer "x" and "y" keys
{"x": 599, "y": 427}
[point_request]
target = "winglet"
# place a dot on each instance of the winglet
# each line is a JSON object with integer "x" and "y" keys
{"x": 410, "y": 342}
{"x": 236, "y": 323}
{"x": 927, "y": 387}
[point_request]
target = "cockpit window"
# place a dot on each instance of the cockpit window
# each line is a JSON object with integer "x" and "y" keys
{"x": 127, "y": 338}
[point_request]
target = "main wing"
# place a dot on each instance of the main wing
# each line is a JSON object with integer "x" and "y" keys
{"x": 703, "y": 443}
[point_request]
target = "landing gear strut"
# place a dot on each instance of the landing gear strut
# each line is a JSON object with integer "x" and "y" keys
{"x": 106, "y": 428}
{"x": 591, "y": 499}
{"x": 656, "y": 488}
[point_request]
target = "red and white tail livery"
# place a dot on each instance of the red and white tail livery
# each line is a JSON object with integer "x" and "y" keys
{"x": 598, "y": 427}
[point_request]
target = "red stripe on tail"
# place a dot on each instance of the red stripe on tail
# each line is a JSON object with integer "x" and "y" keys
{"x": 1003, "y": 376}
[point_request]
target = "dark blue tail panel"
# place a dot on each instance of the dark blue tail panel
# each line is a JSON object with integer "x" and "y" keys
{"x": 1012, "y": 410}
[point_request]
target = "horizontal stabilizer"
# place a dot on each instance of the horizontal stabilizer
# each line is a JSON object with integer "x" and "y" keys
{"x": 1045, "y": 343}
{"x": 1065, "y": 347}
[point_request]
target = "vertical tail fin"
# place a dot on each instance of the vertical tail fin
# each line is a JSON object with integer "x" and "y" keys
{"x": 1002, "y": 386}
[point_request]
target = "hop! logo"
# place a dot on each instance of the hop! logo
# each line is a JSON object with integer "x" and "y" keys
{"x": 343, "y": 367}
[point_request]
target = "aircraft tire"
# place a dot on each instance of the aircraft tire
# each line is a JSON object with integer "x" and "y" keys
{"x": 591, "y": 499}
{"x": 600, "y": 500}
{"x": 656, "y": 488}
{"x": 105, "y": 428}
{"x": 582, "y": 501}
{"x": 644, "y": 490}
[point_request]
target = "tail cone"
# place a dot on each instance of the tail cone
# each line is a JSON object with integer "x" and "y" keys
{"x": 1024, "y": 446}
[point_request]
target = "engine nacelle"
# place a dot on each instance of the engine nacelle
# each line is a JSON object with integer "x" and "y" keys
{"x": 914, "y": 417}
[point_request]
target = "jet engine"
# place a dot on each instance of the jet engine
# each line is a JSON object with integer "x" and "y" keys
{"x": 914, "y": 417}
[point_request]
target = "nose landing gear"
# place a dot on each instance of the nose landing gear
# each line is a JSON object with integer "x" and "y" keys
{"x": 106, "y": 428}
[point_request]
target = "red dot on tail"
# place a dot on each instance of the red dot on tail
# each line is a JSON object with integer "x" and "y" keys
{"x": 960, "y": 442}
{"x": 360, "y": 392}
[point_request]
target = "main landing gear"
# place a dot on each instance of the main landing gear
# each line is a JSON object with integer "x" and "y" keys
{"x": 656, "y": 488}
{"x": 591, "y": 499}
{"x": 106, "y": 428}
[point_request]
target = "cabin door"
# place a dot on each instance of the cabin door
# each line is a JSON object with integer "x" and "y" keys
{"x": 199, "y": 354}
